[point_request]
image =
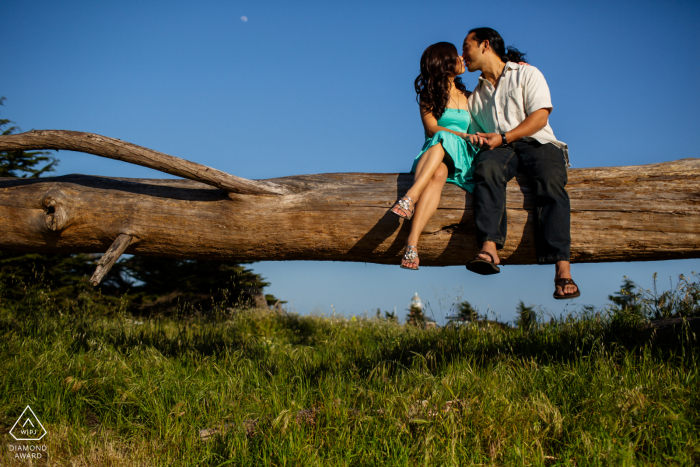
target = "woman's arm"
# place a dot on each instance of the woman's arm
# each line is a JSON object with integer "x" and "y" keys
{"x": 431, "y": 127}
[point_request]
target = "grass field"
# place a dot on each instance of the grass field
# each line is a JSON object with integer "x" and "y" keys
{"x": 254, "y": 387}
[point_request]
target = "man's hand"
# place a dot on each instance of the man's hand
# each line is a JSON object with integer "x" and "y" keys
{"x": 490, "y": 140}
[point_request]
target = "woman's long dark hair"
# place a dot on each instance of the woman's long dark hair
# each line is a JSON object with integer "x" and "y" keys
{"x": 437, "y": 65}
{"x": 511, "y": 54}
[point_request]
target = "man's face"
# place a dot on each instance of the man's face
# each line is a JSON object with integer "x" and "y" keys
{"x": 472, "y": 53}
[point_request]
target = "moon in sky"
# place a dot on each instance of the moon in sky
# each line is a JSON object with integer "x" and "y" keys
{"x": 244, "y": 19}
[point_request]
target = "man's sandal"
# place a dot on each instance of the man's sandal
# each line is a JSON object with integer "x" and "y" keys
{"x": 410, "y": 256}
{"x": 563, "y": 282}
{"x": 482, "y": 266}
{"x": 405, "y": 205}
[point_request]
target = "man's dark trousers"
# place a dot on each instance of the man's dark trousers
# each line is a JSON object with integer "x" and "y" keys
{"x": 545, "y": 167}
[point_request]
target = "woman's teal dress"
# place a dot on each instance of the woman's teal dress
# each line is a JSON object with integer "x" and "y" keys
{"x": 460, "y": 163}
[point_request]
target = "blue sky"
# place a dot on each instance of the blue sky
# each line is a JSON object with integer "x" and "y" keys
{"x": 318, "y": 87}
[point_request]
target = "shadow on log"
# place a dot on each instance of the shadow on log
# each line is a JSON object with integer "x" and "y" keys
{"x": 636, "y": 213}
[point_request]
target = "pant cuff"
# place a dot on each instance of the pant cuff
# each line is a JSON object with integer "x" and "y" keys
{"x": 552, "y": 259}
{"x": 498, "y": 241}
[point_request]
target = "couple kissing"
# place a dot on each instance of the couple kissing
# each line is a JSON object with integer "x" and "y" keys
{"x": 479, "y": 141}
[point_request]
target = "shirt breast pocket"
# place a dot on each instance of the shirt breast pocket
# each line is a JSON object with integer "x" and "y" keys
{"x": 514, "y": 99}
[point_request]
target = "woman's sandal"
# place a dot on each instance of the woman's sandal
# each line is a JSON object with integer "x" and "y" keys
{"x": 563, "y": 282}
{"x": 483, "y": 267}
{"x": 410, "y": 256}
{"x": 403, "y": 205}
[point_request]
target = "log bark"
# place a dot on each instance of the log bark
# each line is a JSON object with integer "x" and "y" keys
{"x": 636, "y": 213}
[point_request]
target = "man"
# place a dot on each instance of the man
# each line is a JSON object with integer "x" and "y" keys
{"x": 511, "y": 106}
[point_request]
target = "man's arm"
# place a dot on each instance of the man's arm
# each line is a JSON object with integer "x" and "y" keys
{"x": 538, "y": 105}
{"x": 531, "y": 125}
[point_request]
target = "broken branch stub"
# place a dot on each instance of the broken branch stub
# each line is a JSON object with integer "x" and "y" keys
{"x": 110, "y": 257}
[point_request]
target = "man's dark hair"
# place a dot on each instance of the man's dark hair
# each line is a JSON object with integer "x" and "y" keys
{"x": 511, "y": 54}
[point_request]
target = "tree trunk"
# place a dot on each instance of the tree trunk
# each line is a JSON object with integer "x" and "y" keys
{"x": 636, "y": 213}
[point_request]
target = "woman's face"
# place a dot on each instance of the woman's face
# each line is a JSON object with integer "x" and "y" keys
{"x": 460, "y": 67}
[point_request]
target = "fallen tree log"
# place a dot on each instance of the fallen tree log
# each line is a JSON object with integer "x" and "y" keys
{"x": 636, "y": 213}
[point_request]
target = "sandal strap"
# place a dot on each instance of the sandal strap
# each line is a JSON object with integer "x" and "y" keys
{"x": 403, "y": 204}
{"x": 411, "y": 254}
{"x": 564, "y": 281}
{"x": 487, "y": 254}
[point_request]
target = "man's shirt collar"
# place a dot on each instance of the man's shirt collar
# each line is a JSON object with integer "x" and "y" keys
{"x": 509, "y": 66}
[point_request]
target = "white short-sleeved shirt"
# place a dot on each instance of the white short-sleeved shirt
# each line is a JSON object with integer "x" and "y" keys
{"x": 521, "y": 91}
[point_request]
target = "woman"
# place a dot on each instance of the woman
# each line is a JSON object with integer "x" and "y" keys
{"x": 448, "y": 152}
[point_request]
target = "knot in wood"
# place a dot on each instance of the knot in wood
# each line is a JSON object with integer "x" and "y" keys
{"x": 55, "y": 209}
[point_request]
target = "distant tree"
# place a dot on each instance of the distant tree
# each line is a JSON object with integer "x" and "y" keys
{"x": 388, "y": 315}
{"x": 160, "y": 285}
{"x": 526, "y": 316}
{"x": 628, "y": 297}
{"x": 22, "y": 163}
{"x": 466, "y": 312}
{"x": 415, "y": 316}
{"x": 274, "y": 302}
{"x": 628, "y": 303}
{"x": 63, "y": 279}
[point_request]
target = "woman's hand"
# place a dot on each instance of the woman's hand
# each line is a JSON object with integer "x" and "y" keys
{"x": 491, "y": 140}
{"x": 476, "y": 140}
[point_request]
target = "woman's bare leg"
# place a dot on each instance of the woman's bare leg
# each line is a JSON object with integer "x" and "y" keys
{"x": 425, "y": 169}
{"x": 426, "y": 207}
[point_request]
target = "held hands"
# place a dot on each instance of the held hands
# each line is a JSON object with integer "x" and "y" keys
{"x": 490, "y": 140}
{"x": 476, "y": 140}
